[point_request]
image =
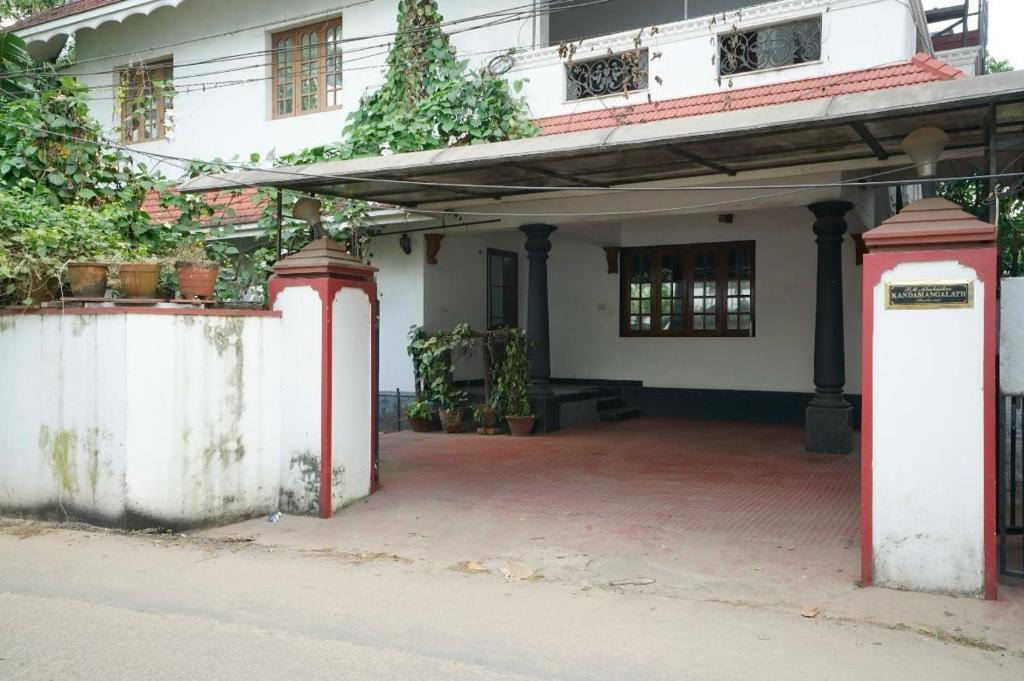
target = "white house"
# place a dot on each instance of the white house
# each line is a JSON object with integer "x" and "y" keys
{"x": 696, "y": 302}
{"x": 686, "y": 227}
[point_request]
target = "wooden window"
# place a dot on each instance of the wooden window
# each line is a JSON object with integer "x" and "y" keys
{"x": 307, "y": 69}
{"x": 502, "y": 289}
{"x": 688, "y": 290}
{"x": 147, "y": 98}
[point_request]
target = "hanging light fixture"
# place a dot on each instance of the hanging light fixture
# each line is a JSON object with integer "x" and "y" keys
{"x": 405, "y": 241}
{"x": 924, "y": 146}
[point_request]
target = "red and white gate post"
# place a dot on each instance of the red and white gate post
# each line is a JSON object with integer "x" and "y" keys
{"x": 928, "y": 433}
{"x": 328, "y": 302}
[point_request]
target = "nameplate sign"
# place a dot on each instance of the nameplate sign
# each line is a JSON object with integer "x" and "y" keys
{"x": 929, "y": 295}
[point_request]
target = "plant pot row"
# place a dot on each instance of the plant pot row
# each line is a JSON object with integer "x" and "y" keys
{"x": 452, "y": 422}
{"x": 138, "y": 280}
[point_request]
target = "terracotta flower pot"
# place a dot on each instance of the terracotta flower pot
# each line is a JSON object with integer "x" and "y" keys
{"x": 87, "y": 279}
{"x": 420, "y": 424}
{"x": 451, "y": 420}
{"x": 520, "y": 426}
{"x": 139, "y": 280}
{"x": 196, "y": 280}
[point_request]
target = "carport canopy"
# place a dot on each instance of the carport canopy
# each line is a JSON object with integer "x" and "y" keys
{"x": 850, "y": 127}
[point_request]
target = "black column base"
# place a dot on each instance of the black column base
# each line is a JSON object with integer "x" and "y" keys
{"x": 828, "y": 429}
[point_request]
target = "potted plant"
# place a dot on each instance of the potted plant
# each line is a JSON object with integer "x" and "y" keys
{"x": 139, "y": 277}
{"x": 87, "y": 279}
{"x": 486, "y": 417}
{"x": 420, "y": 417}
{"x": 452, "y": 408}
{"x": 197, "y": 274}
{"x": 512, "y": 381}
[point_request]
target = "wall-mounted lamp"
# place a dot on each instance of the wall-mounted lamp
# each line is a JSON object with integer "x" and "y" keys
{"x": 307, "y": 209}
{"x": 406, "y": 243}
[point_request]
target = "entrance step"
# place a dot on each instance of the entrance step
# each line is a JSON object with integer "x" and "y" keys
{"x": 617, "y": 414}
{"x": 609, "y": 402}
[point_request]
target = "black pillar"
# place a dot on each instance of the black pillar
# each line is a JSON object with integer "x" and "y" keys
{"x": 538, "y": 244}
{"x": 829, "y": 427}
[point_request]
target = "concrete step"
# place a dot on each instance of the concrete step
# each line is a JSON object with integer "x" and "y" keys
{"x": 609, "y": 402}
{"x": 618, "y": 414}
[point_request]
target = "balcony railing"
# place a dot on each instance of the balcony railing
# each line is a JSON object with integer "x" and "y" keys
{"x": 607, "y": 75}
{"x": 769, "y": 47}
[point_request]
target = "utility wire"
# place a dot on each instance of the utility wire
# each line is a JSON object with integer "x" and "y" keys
{"x": 498, "y": 17}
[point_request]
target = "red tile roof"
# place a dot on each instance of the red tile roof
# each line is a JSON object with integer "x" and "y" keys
{"x": 243, "y": 210}
{"x": 920, "y": 69}
{"x": 61, "y": 11}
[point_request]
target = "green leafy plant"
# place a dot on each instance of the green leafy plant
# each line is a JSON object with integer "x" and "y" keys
{"x": 510, "y": 376}
{"x": 433, "y": 356}
{"x": 418, "y": 409}
{"x": 37, "y": 241}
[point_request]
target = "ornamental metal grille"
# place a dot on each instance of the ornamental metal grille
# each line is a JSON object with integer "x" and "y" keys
{"x": 1010, "y": 485}
{"x": 609, "y": 75}
{"x": 769, "y": 47}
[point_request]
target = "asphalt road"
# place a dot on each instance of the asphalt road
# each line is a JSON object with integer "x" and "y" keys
{"x": 79, "y": 605}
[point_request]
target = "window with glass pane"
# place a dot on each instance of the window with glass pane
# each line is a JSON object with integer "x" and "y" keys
{"x": 147, "y": 98}
{"x": 705, "y": 291}
{"x": 739, "y": 293}
{"x": 673, "y": 292}
{"x": 640, "y": 299}
{"x": 688, "y": 290}
{"x": 502, "y": 289}
{"x": 307, "y": 69}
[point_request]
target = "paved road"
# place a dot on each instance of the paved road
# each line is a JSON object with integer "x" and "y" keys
{"x": 78, "y": 605}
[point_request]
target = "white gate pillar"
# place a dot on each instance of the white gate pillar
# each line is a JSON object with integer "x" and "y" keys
{"x": 328, "y": 301}
{"x": 928, "y": 431}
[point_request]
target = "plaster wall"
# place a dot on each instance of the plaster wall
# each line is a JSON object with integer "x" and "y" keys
{"x": 1011, "y": 340}
{"x": 139, "y": 419}
{"x": 235, "y": 120}
{"x": 584, "y": 302}
{"x": 400, "y": 283}
{"x": 231, "y": 117}
{"x": 352, "y": 388}
{"x": 928, "y": 480}
{"x": 301, "y": 390}
{"x": 688, "y": 64}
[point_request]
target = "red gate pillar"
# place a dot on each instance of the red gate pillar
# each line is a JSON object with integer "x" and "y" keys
{"x": 328, "y": 301}
{"x": 928, "y": 431}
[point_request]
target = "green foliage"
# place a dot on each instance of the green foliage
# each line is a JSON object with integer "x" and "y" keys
{"x": 510, "y": 376}
{"x": 14, "y": 61}
{"x": 18, "y": 9}
{"x": 433, "y": 356}
{"x": 974, "y": 197}
{"x": 37, "y": 240}
{"x": 428, "y": 100}
{"x": 418, "y": 409}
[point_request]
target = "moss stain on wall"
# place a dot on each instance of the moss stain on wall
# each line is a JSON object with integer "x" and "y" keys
{"x": 58, "y": 447}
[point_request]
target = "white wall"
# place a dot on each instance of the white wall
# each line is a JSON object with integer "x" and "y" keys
{"x": 584, "y": 303}
{"x": 1011, "y": 340}
{"x": 928, "y": 434}
{"x": 400, "y": 282}
{"x": 352, "y": 402}
{"x": 235, "y": 121}
{"x": 139, "y": 419}
{"x": 856, "y": 34}
{"x": 301, "y": 341}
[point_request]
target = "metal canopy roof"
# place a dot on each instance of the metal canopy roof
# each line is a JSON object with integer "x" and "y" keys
{"x": 861, "y": 126}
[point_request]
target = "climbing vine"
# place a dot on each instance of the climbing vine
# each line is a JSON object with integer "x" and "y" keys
{"x": 429, "y": 99}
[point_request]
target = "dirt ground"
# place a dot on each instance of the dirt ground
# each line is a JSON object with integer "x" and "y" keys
{"x": 86, "y": 604}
